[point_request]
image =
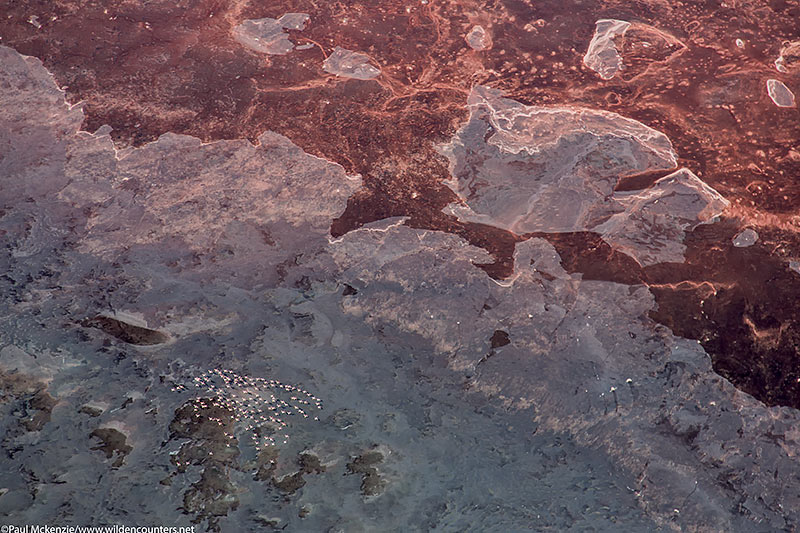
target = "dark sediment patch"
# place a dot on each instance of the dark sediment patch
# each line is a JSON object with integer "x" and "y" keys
{"x": 125, "y": 332}
{"x": 366, "y": 464}
{"x": 113, "y": 443}
{"x": 35, "y": 402}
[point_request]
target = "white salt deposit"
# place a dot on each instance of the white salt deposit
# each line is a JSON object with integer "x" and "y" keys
{"x": 269, "y": 35}
{"x": 602, "y": 55}
{"x": 780, "y": 94}
{"x": 746, "y": 237}
{"x": 478, "y": 39}
{"x": 349, "y": 64}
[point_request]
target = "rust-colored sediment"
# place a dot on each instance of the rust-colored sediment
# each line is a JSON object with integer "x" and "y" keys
{"x": 146, "y": 69}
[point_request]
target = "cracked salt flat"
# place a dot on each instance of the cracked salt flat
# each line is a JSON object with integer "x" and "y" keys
{"x": 268, "y": 35}
{"x": 348, "y": 64}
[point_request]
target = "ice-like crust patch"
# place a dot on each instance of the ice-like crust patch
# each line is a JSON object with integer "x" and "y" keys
{"x": 182, "y": 194}
{"x": 651, "y": 229}
{"x": 186, "y": 187}
{"x": 780, "y": 94}
{"x": 269, "y": 35}
{"x": 530, "y": 168}
{"x": 294, "y": 21}
{"x": 554, "y": 169}
{"x": 349, "y": 64}
{"x": 602, "y": 55}
{"x": 478, "y": 39}
{"x": 640, "y": 43}
{"x": 746, "y": 237}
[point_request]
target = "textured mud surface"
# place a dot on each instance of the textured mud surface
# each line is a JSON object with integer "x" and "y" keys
{"x": 434, "y": 266}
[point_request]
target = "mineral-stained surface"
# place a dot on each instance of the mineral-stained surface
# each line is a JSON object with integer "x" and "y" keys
{"x": 383, "y": 266}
